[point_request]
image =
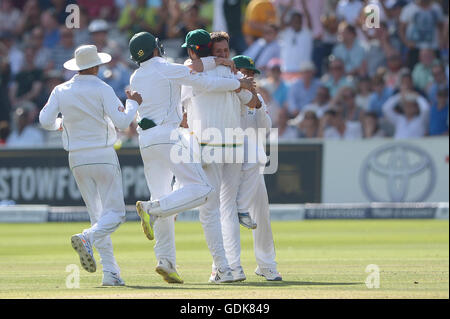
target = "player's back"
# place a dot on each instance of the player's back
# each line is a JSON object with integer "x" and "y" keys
{"x": 160, "y": 94}
{"x": 220, "y": 110}
{"x": 85, "y": 124}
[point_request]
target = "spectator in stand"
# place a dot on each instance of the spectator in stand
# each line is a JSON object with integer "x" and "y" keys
{"x": 29, "y": 19}
{"x": 99, "y": 9}
{"x": 350, "y": 51}
{"x": 273, "y": 108}
{"x": 116, "y": 73}
{"x": 349, "y": 10}
{"x": 379, "y": 47}
{"x": 371, "y": 126}
{"x": 42, "y": 54}
{"x": 422, "y": 75}
{"x": 406, "y": 84}
{"x": 63, "y": 51}
{"x": 304, "y": 90}
{"x": 409, "y": 113}
{"x": 265, "y": 48}
{"x": 440, "y": 82}
{"x": 421, "y": 22}
{"x": 345, "y": 103}
{"x": 98, "y": 31}
{"x": 309, "y": 126}
{"x": 364, "y": 90}
{"x": 9, "y": 16}
{"x": 11, "y": 51}
{"x": 439, "y": 114}
{"x": 258, "y": 14}
{"x": 319, "y": 106}
{"x": 233, "y": 18}
{"x": 49, "y": 22}
{"x": 4, "y": 132}
{"x": 183, "y": 21}
{"x": 5, "y": 76}
{"x": 381, "y": 93}
{"x": 25, "y": 134}
{"x": 323, "y": 47}
{"x": 296, "y": 41}
{"x": 27, "y": 83}
{"x": 140, "y": 17}
{"x": 285, "y": 131}
{"x": 336, "y": 78}
{"x": 52, "y": 78}
{"x": 60, "y": 9}
{"x": 274, "y": 83}
{"x": 393, "y": 71}
{"x": 82, "y": 35}
{"x": 334, "y": 126}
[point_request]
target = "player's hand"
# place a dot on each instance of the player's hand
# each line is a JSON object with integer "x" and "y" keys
{"x": 227, "y": 62}
{"x": 184, "y": 123}
{"x": 133, "y": 95}
{"x": 247, "y": 83}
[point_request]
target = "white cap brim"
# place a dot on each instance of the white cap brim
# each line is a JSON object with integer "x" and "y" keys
{"x": 73, "y": 66}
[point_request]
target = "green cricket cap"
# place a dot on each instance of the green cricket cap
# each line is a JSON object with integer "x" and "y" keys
{"x": 197, "y": 37}
{"x": 245, "y": 62}
{"x": 141, "y": 46}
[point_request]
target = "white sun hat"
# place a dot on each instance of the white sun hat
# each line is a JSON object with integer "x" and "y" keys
{"x": 86, "y": 56}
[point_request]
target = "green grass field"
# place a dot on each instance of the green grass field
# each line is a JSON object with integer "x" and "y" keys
{"x": 318, "y": 259}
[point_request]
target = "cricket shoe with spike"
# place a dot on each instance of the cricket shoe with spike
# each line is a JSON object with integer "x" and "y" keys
{"x": 147, "y": 220}
{"x": 269, "y": 273}
{"x": 238, "y": 274}
{"x": 83, "y": 247}
{"x": 221, "y": 277}
{"x": 246, "y": 221}
{"x": 112, "y": 279}
{"x": 168, "y": 272}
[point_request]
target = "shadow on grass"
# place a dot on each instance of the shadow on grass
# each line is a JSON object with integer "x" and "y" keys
{"x": 169, "y": 286}
{"x": 248, "y": 284}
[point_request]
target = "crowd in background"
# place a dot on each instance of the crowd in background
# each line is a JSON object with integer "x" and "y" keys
{"x": 328, "y": 68}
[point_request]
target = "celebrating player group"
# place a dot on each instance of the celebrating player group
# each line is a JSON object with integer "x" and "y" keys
{"x": 193, "y": 123}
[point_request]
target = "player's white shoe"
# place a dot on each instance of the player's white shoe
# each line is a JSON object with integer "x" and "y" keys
{"x": 238, "y": 274}
{"x": 168, "y": 272}
{"x": 83, "y": 247}
{"x": 221, "y": 277}
{"x": 269, "y": 273}
{"x": 246, "y": 221}
{"x": 112, "y": 279}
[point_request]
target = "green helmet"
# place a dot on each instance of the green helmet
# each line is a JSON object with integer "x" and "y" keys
{"x": 197, "y": 38}
{"x": 142, "y": 45}
{"x": 245, "y": 62}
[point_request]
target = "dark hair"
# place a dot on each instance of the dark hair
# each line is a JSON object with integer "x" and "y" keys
{"x": 219, "y": 36}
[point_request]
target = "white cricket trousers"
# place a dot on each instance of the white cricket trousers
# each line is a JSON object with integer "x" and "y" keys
{"x": 194, "y": 189}
{"x": 100, "y": 183}
{"x": 251, "y": 197}
{"x": 211, "y": 214}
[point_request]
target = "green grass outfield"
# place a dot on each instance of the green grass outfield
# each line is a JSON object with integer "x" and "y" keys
{"x": 318, "y": 259}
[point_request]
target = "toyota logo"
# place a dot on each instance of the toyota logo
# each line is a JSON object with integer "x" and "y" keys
{"x": 397, "y": 164}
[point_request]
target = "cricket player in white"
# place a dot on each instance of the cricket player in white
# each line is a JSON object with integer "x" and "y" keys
{"x": 221, "y": 112}
{"x": 252, "y": 193}
{"x": 250, "y": 197}
{"x": 90, "y": 112}
{"x": 160, "y": 116}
